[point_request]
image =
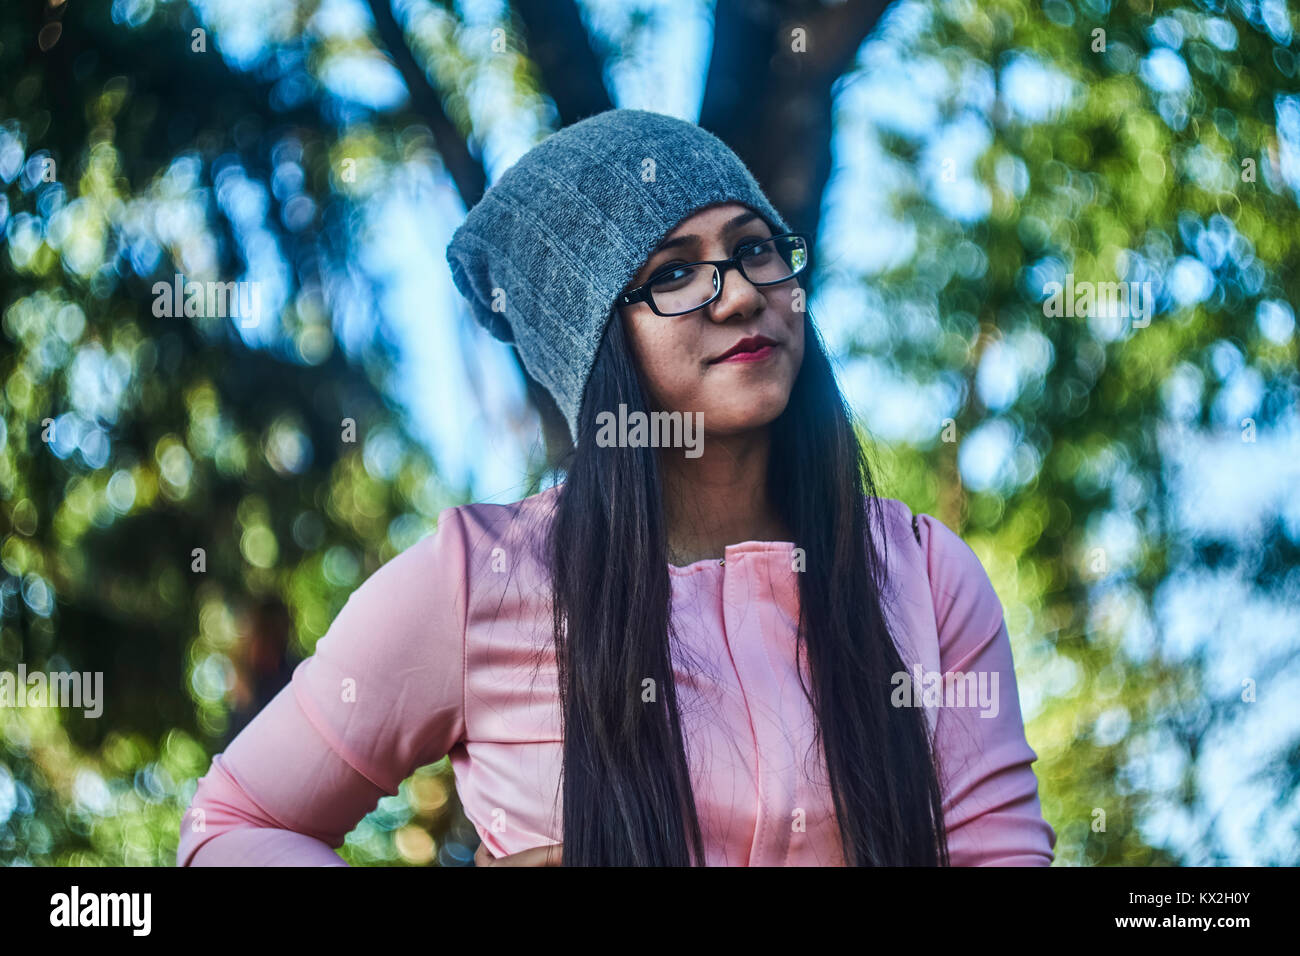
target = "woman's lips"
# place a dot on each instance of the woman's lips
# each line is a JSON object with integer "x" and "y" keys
{"x": 757, "y": 355}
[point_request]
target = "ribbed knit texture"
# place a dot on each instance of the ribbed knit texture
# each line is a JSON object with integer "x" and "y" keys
{"x": 542, "y": 257}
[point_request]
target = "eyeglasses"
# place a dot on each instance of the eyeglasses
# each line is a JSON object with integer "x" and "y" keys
{"x": 681, "y": 288}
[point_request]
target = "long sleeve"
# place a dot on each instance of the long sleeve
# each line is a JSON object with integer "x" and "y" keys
{"x": 991, "y": 805}
{"x": 383, "y": 694}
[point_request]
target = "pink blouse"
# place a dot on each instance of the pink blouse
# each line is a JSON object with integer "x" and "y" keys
{"x": 435, "y": 653}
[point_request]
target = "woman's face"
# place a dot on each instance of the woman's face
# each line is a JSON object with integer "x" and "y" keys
{"x": 679, "y": 356}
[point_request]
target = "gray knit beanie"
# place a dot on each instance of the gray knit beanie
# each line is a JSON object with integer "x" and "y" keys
{"x": 545, "y": 252}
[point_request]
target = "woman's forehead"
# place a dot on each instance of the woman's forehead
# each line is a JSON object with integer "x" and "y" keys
{"x": 713, "y": 219}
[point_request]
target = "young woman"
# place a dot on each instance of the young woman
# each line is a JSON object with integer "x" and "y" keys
{"x": 702, "y": 648}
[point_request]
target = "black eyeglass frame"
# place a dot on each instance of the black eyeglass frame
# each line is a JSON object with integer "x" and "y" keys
{"x": 642, "y": 292}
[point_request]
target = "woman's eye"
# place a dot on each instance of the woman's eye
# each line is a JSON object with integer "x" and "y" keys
{"x": 665, "y": 273}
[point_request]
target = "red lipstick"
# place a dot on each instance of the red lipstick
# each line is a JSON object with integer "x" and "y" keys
{"x": 753, "y": 348}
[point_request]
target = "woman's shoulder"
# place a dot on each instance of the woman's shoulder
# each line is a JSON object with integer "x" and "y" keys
{"x": 500, "y": 537}
{"x": 900, "y": 523}
{"x": 920, "y": 545}
{"x": 522, "y": 518}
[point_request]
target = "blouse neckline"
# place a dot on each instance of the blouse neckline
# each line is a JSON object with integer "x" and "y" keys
{"x": 732, "y": 552}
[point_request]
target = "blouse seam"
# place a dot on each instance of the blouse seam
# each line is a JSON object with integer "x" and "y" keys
{"x": 464, "y": 626}
{"x": 763, "y": 634}
{"x": 756, "y": 844}
{"x": 978, "y": 649}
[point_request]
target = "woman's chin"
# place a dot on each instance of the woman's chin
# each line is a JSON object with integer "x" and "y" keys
{"x": 733, "y": 420}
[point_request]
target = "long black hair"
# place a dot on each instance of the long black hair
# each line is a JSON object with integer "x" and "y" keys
{"x": 627, "y": 795}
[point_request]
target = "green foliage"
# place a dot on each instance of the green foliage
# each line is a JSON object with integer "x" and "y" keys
{"x": 134, "y": 440}
{"x": 1116, "y": 184}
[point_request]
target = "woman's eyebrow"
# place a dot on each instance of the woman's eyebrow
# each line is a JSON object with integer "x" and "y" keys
{"x": 735, "y": 223}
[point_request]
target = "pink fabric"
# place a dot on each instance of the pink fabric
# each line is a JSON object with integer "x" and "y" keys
{"x": 434, "y": 654}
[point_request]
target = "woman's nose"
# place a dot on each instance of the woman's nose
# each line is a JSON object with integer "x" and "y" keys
{"x": 738, "y": 296}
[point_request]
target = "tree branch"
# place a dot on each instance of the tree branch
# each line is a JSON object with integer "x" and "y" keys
{"x": 465, "y": 171}
{"x": 771, "y": 99}
{"x": 558, "y": 43}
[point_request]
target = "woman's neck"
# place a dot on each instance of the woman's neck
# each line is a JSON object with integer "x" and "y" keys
{"x": 719, "y": 498}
